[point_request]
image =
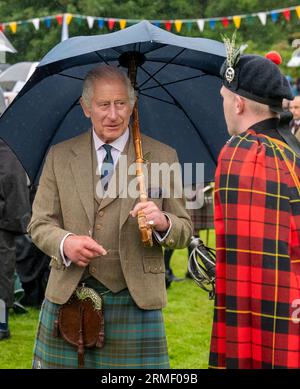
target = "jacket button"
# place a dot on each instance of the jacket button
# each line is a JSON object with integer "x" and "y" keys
{"x": 93, "y": 269}
{"x": 99, "y": 226}
{"x": 100, "y": 213}
{"x": 171, "y": 241}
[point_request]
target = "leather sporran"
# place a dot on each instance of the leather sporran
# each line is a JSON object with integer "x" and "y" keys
{"x": 81, "y": 321}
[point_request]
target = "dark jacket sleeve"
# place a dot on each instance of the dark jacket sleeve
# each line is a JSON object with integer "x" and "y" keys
{"x": 15, "y": 207}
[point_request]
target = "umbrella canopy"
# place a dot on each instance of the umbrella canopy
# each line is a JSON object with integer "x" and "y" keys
{"x": 177, "y": 82}
{"x": 295, "y": 59}
{"x": 5, "y": 44}
{"x": 19, "y": 72}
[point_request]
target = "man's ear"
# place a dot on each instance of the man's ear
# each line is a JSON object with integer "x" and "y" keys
{"x": 239, "y": 104}
{"x": 85, "y": 108}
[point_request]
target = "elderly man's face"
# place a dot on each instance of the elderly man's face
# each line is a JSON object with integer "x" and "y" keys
{"x": 295, "y": 107}
{"x": 109, "y": 109}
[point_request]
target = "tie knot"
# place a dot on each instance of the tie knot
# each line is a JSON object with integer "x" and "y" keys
{"x": 107, "y": 148}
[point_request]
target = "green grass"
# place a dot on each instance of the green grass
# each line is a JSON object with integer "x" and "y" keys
{"x": 188, "y": 320}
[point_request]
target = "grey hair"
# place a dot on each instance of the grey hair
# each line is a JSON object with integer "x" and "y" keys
{"x": 106, "y": 72}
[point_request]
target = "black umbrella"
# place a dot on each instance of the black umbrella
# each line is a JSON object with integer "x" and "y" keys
{"x": 177, "y": 82}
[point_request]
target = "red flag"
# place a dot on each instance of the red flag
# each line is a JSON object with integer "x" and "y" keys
{"x": 111, "y": 23}
{"x": 287, "y": 15}
{"x": 59, "y": 19}
{"x": 225, "y": 22}
{"x": 168, "y": 26}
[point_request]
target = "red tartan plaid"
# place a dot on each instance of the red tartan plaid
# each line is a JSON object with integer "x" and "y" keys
{"x": 203, "y": 218}
{"x": 257, "y": 221}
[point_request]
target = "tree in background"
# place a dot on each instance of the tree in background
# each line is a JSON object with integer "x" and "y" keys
{"x": 32, "y": 45}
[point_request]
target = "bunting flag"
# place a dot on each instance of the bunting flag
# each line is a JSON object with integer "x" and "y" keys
{"x": 59, "y": 19}
{"x": 200, "y": 23}
{"x": 69, "y": 17}
{"x": 262, "y": 17}
{"x": 90, "y": 21}
{"x": 36, "y": 23}
{"x": 122, "y": 23}
{"x": 13, "y": 27}
{"x": 111, "y": 23}
{"x": 225, "y": 21}
{"x": 237, "y": 21}
{"x": 178, "y": 25}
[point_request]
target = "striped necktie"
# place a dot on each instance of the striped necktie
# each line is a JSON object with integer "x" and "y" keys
{"x": 107, "y": 167}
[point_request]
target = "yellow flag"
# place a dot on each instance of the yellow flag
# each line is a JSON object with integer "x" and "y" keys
{"x": 13, "y": 27}
{"x": 178, "y": 25}
{"x": 122, "y": 23}
{"x": 237, "y": 21}
{"x": 69, "y": 17}
{"x": 298, "y": 11}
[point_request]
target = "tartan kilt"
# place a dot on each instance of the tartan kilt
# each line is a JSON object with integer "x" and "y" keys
{"x": 203, "y": 218}
{"x": 134, "y": 338}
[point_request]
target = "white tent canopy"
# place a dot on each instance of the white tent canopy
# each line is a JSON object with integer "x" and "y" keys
{"x": 5, "y": 44}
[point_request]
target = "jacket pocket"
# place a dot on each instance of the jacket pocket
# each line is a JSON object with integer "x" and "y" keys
{"x": 153, "y": 265}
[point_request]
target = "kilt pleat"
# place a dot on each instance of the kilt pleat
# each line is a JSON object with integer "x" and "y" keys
{"x": 134, "y": 338}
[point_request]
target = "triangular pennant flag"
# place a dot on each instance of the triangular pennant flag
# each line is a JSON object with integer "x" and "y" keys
{"x": 69, "y": 17}
{"x": 212, "y": 24}
{"x": 189, "y": 26}
{"x": 237, "y": 21}
{"x": 36, "y": 23}
{"x": 298, "y": 11}
{"x": 168, "y": 25}
{"x": 178, "y": 25}
{"x": 78, "y": 20}
{"x": 200, "y": 23}
{"x": 249, "y": 19}
{"x": 90, "y": 21}
{"x": 122, "y": 23}
{"x": 111, "y": 23}
{"x": 47, "y": 22}
{"x": 13, "y": 27}
{"x": 262, "y": 17}
{"x": 59, "y": 19}
{"x": 156, "y": 23}
{"x": 274, "y": 16}
{"x": 225, "y": 22}
{"x": 100, "y": 23}
{"x": 287, "y": 15}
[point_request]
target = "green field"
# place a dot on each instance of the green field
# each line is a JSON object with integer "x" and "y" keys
{"x": 188, "y": 319}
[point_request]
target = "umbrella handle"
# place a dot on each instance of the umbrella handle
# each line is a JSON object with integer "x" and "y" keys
{"x": 145, "y": 229}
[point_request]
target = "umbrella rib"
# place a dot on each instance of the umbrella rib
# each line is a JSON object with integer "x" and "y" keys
{"x": 151, "y": 76}
{"x": 175, "y": 82}
{"x": 177, "y": 104}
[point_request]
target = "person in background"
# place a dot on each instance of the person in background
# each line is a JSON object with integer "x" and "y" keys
{"x": 257, "y": 221}
{"x": 15, "y": 212}
{"x": 295, "y": 122}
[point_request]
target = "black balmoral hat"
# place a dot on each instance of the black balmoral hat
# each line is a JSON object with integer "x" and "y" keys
{"x": 257, "y": 78}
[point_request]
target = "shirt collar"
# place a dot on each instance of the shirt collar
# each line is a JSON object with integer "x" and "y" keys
{"x": 118, "y": 144}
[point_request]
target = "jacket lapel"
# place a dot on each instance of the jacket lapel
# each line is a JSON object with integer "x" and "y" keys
{"x": 81, "y": 166}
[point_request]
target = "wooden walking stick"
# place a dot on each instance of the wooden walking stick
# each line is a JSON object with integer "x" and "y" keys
{"x": 131, "y": 60}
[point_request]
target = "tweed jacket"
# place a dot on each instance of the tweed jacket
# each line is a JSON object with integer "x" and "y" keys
{"x": 257, "y": 221}
{"x": 65, "y": 203}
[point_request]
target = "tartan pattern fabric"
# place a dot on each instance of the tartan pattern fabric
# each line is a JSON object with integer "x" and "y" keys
{"x": 257, "y": 221}
{"x": 134, "y": 338}
{"x": 203, "y": 218}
